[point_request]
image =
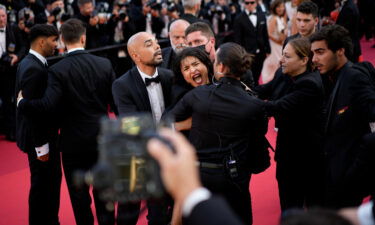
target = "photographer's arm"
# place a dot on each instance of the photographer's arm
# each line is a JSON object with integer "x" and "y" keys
{"x": 180, "y": 177}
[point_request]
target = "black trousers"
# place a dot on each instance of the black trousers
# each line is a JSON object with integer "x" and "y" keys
{"x": 159, "y": 212}
{"x": 257, "y": 65}
{"x": 44, "y": 195}
{"x": 80, "y": 196}
{"x": 234, "y": 190}
{"x": 301, "y": 182}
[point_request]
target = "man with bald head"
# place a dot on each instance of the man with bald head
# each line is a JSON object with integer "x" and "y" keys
{"x": 144, "y": 88}
{"x": 177, "y": 38}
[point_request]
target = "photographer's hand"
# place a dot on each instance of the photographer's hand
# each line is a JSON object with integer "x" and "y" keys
{"x": 14, "y": 59}
{"x": 178, "y": 170}
{"x": 94, "y": 21}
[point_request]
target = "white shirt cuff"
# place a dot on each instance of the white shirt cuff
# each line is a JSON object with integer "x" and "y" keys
{"x": 365, "y": 214}
{"x": 193, "y": 199}
{"x": 18, "y": 101}
{"x": 42, "y": 150}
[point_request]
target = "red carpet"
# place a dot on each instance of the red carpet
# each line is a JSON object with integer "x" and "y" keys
{"x": 14, "y": 183}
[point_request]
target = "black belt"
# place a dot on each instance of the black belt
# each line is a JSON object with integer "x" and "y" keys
{"x": 210, "y": 165}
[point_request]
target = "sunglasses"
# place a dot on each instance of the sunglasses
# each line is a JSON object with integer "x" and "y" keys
{"x": 252, "y": 3}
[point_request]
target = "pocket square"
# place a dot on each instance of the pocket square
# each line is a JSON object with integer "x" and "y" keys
{"x": 341, "y": 111}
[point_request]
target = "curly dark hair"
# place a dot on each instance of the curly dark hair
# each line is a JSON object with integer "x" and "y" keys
{"x": 336, "y": 37}
{"x": 194, "y": 52}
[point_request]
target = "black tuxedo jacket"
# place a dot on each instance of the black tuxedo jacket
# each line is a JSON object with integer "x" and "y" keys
{"x": 213, "y": 211}
{"x": 79, "y": 87}
{"x": 33, "y": 131}
{"x": 130, "y": 93}
{"x": 349, "y": 110}
{"x": 297, "y": 105}
{"x": 250, "y": 37}
{"x": 169, "y": 57}
{"x": 13, "y": 36}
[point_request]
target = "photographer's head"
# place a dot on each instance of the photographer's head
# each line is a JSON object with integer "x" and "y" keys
{"x": 43, "y": 39}
{"x": 232, "y": 60}
{"x": 307, "y": 18}
{"x": 191, "y": 6}
{"x": 54, "y": 4}
{"x": 3, "y": 16}
{"x": 177, "y": 34}
{"x": 145, "y": 51}
{"x": 200, "y": 34}
{"x": 86, "y": 7}
{"x": 331, "y": 46}
{"x": 73, "y": 34}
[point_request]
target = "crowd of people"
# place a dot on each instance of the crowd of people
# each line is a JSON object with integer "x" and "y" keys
{"x": 230, "y": 66}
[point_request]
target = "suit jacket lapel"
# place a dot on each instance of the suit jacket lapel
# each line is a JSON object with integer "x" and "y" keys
{"x": 332, "y": 100}
{"x": 141, "y": 90}
{"x": 165, "y": 85}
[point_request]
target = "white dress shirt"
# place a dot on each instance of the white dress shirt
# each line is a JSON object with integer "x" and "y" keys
{"x": 39, "y": 56}
{"x": 253, "y": 18}
{"x": 155, "y": 94}
{"x": 365, "y": 214}
{"x": 75, "y": 49}
{"x": 3, "y": 47}
{"x": 193, "y": 199}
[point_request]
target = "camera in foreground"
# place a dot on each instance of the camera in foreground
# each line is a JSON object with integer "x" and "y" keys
{"x": 125, "y": 171}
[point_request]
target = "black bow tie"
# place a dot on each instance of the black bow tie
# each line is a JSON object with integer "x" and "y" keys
{"x": 148, "y": 81}
{"x": 2, "y": 30}
{"x": 252, "y": 13}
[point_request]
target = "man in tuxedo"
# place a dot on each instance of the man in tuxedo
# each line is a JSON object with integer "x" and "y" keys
{"x": 177, "y": 38}
{"x": 12, "y": 49}
{"x": 197, "y": 204}
{"x": 307, "y": 19}
{"x": 200, "y": 35}
{"x": 36, "y": 135}
{"x": 350, "y": 107}
{"x": 250, "y": 31}
{"x": 144, "y": 88}
{"x": 79, "y": 88}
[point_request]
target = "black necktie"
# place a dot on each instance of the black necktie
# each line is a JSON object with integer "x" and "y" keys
{"x": 148, "y": 81}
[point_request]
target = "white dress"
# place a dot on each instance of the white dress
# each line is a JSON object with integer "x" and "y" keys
{"x": 272, "y": 62}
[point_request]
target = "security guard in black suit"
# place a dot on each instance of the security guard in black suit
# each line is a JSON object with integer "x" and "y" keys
{"x": 226, "y": 124}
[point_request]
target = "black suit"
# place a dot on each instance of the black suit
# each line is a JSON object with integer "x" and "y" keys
{"x": 297, "y": 105}
{"x": 253, "y": 39}
{"x": 169, "y": 57}
{"x": 80, "y": 86}
{"x": 34, "y": 131}
{"x": 349, "y": 18}
{"x": 213, "y": 211}
{"x": 14, "y": 45}
{"x": 226, "y": 122}
{"x": 131, "y": 96}
{"x": 348, "y": 116}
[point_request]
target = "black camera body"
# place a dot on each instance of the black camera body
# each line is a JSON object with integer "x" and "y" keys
{"x": 125, "y": 171}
